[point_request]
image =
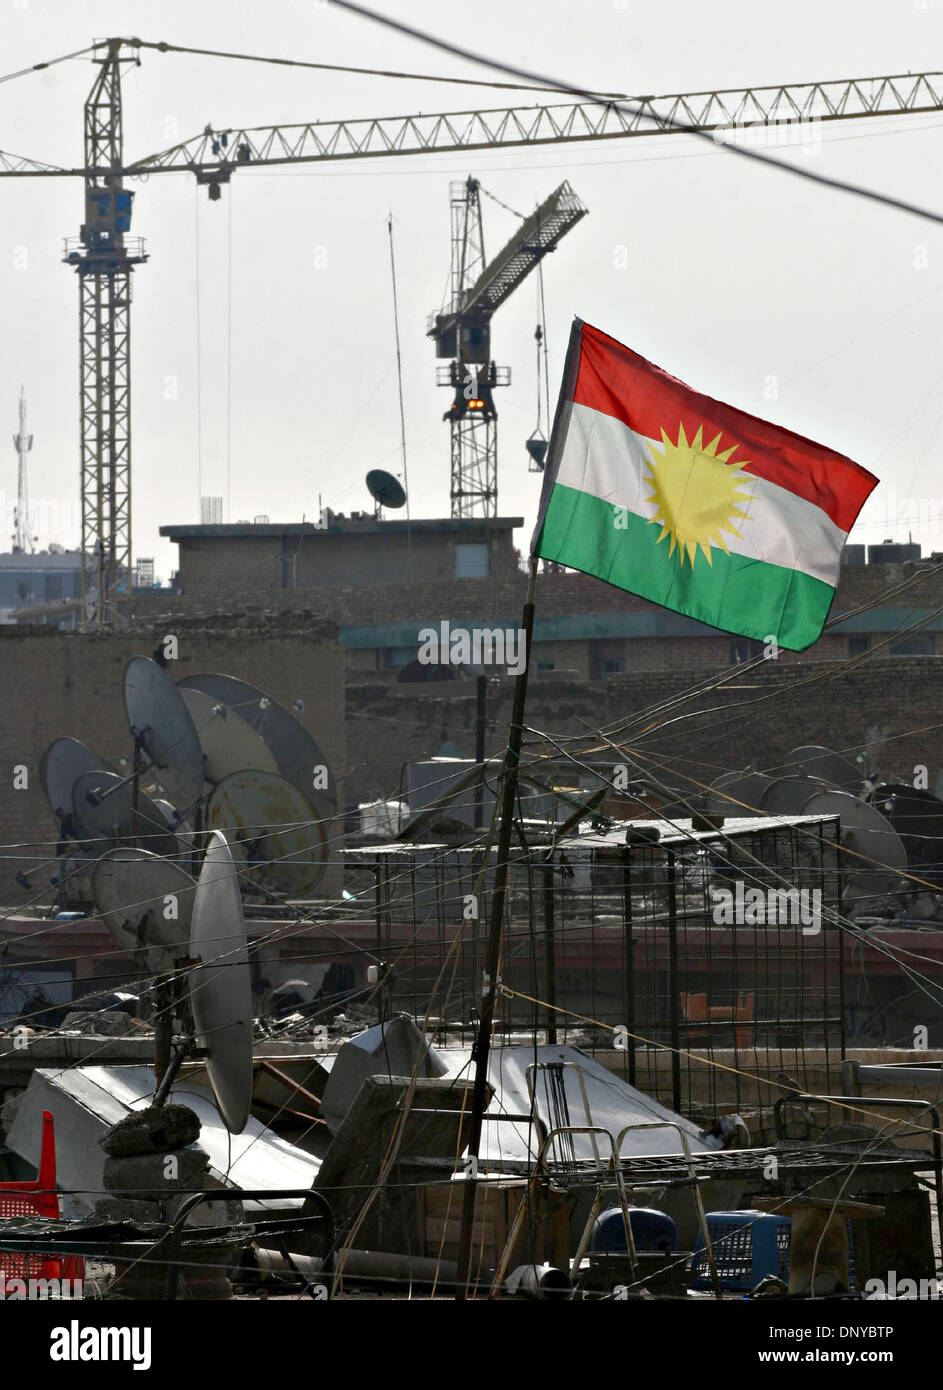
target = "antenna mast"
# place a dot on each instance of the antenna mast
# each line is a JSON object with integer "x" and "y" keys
{"x": 22, "y": 442}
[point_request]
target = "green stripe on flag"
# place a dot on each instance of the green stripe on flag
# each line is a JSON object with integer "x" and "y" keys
{"x": 735, "y": 593}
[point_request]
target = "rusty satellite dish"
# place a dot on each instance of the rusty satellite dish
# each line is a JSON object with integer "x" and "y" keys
{"x": 146, "y": 902}
{"x": 103, "y": 801}
{"x": 164, "y": 731}
{"x": 229, "y": 742}
{"x": 297, "y": 756}
{"x": 273, "y": 830}
{"x": 876, "y": 855}
{"x": 220, "y": 988}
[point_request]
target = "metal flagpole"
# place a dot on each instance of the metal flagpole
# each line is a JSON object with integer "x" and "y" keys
{"x": 482, "y": 1046}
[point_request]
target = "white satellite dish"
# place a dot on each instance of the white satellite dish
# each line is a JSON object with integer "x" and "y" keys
{"x": 833, "y": 769}
{"x": 146, "y": 902}
{"x": 63, "y": 761}
{"x": 786, "y": 796}
{"x": 738, "y": 794}
{"x": 164, "y": 731}
{"x": 220, "y": 988}
{"x": 229, "y": 742}
{"x": 298, "y": 757}
{"x": 877, "y": 856}
{"x": 103, "y": 801}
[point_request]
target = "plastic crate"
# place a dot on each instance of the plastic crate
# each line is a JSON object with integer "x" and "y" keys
{"x": 747, "y": 1246}
{"x": 38, "y": 1198}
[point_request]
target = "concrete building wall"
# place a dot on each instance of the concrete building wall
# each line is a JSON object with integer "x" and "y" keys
{"x": 55, "y": 684}
{"x": 260, "y": 565}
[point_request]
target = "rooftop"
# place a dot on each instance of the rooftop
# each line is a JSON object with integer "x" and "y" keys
{"x": 358, "y": 524}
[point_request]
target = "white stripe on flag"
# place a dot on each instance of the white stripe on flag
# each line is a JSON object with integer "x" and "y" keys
{"x": 607, "y": 459}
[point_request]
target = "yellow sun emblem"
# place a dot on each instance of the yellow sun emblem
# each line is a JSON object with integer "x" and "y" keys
{"x": 696, "y": 492}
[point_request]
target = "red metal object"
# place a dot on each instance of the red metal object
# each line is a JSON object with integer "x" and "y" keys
{"x": 38, "y": 1198}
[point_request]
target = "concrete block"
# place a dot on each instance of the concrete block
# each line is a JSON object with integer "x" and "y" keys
{"x": 152, "y": 1131}
{"x": 147, "y": 1172}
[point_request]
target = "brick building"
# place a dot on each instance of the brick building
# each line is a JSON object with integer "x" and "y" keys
{"x": 258, "y": 562}
{"x": 357, "y": 573}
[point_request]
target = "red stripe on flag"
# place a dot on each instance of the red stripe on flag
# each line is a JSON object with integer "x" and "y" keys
{"x": 616, "y": 381}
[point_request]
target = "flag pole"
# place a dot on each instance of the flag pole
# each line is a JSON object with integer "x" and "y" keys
{"x": 482, "y": 1046}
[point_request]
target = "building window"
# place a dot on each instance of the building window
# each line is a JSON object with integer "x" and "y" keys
{"x": 917, "y": 644}
{"x": 857, "y": 646}
{"x": 545, "y": 664}
{"x": 606, "y": 658}
{"x": 472, "y": 561}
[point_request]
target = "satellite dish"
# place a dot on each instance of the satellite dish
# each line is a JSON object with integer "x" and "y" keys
{"x": 162, "y": 725}
{"x": 826, "y": 766}
{"x": 273, "y": 830}
{"x": 738, "y": 787}
{"x": 786, "y": 796}
{"x": 385, "y": 490}
{"x": 167, "y": 811}
{"x": 229, "y": 742}
{"x": 109, "y": 814}
{"x": 63, "y": 761}
{"x": 297, "y": 756}
{"x": 131, "y": 889}
{"x": 917, "y": 816}
{"x": 220, "y": 989}
{"x": 869, "y": 835}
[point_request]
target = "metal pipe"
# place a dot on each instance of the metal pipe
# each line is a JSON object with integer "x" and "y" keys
{"x": 173, "y": 1237}
{"x": 357, "y": 1265}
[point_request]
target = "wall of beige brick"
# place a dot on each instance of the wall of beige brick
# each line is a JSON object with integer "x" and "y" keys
{"x": 55, "y": 684}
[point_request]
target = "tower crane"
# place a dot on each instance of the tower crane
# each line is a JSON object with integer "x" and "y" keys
{"x": 104, "y": 255}
{"x": 463, "y": 332}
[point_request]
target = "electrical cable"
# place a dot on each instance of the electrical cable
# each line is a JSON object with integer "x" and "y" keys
{"x": 629, "y": 109}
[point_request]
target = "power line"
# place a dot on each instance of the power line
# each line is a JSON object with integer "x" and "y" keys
{"x": 335, "y": 67}
{"x": 50, "y": 63}
{"x": 631, "y": 109}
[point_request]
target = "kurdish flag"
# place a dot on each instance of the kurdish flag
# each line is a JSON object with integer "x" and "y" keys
{"x": 690, "y": 503}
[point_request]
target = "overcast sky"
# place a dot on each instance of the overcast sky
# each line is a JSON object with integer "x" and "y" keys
{"x": 812, "y": 308}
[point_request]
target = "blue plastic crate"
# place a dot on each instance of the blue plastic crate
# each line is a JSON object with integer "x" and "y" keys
{"x": 747, "y": 1246}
